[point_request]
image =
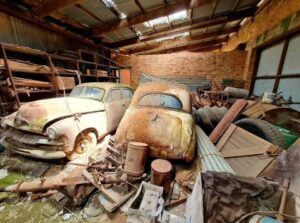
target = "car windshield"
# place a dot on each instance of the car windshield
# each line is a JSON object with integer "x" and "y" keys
{"x": 160, "y": 100}
{"x": 88, "y": 93}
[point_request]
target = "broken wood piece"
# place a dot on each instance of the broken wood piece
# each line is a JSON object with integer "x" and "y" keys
{"x": 250, "y": 151}
{"x": 242, "y": 150}
{"x": 229, "y": 117}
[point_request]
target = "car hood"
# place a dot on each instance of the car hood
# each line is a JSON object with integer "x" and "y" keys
{"x": 34, "y": 116}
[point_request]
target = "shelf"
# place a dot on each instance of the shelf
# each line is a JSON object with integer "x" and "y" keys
{"x": 36, "y": 91}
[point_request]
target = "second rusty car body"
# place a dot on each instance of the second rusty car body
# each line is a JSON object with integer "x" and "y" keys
{"x": 160, "y": 115}
{"x": 67, "y": 126}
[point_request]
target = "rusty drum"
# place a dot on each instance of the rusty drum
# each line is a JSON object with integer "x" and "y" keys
{"x": 161, "y": 174}
{"x": 136, "y": 158}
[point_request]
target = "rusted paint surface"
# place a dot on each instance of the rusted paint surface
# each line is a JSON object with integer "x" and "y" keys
{"x": 69, "y": 117}
{"x": 170, "y": 133}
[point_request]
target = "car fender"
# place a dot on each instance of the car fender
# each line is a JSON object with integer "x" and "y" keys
{"x": 69, "y": 128}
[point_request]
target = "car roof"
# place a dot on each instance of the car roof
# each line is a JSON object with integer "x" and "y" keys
{"x": 104, "y": 85}
{"x": 179, "y": 90}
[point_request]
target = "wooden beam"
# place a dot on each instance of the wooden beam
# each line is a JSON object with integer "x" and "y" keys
{"x": 207, "y": 48}
{"x": 46, "y": 7}
{"x": 88, "y": 12}
{"x": 40, "y": 22}
{"x": 149, "y": 15}
{"x": 186, "y": 28}
{"x": 139, "y": 5}
{"x": 172, "y": 49}
{"x": 185, "y": 40}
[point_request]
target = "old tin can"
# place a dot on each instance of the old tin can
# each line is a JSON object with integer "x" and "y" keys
{"x": 161, "y": 174}
{"x": 136, "y": 158}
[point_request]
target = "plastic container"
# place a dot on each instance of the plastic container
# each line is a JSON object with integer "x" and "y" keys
{"x": 289, "y": 136}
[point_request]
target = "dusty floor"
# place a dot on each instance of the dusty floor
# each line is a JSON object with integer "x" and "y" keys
{"x": 13, "y": 208}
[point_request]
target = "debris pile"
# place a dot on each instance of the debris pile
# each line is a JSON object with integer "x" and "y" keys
{"x": 235, "y": 147}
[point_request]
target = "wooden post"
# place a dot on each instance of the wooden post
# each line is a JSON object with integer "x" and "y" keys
{"x": 229, "y": 117}
{"x": 10, "y": 75}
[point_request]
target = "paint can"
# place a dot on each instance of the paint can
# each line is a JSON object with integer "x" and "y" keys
{"x": 263, "y": 219}
{"x": 161, "y": 174}
{"x": 136, "y": 158}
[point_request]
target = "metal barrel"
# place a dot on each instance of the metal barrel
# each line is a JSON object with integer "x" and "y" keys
{"x": 136, "y": 158}
{"x": 161, "y": 174}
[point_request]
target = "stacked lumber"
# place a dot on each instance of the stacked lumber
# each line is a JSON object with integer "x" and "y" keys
{"x": 27, "y": 67}
{"x": 24, "y": 82}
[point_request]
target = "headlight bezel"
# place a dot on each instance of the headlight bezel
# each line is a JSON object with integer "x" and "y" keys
{"x": 52, "y": 133}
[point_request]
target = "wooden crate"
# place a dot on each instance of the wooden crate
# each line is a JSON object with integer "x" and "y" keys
{"x": 246, "y": 153}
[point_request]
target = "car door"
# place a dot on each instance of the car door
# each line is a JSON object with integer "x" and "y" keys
{"x": 127, "y": 94}
{"x": 114, "y": 106}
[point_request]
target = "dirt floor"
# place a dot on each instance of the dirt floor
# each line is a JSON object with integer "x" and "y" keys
{"x": 24, "y": 208}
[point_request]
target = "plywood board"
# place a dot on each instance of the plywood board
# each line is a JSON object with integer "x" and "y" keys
{"x": 245, "y": 152}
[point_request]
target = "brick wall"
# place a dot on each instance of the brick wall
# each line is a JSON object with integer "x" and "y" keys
{"x": 215, "y": 66}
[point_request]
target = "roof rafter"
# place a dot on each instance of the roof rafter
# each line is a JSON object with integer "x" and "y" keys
{"x": 191, "y": 46}
{"x": 186, "y": 28}
{"x": 149, "y": 15}
{"x": 48, "y": 6}
{"x": 185, "y": 39}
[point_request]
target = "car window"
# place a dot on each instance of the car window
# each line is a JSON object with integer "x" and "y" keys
{"x": 127, "y": 93}
{"x": 88, "y": 93}
{"x": 76, "y": 92}
{"x": 114, "y": 95}
{"x": 160, "y": 100}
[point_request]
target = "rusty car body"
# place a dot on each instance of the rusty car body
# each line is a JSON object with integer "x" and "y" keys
{"x": 160, "y": 115}
{"x": 67, "y": 126}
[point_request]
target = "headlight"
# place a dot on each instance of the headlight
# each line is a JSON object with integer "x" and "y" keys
{"x": 4, "y": 125}
{"x": 52, "y": 133}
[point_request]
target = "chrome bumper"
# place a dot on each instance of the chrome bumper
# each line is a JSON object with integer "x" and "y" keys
{"x": 33, "y": 145}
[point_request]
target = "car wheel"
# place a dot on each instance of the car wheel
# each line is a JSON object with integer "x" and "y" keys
{"x": 84, "y": 142}
{"x": 263, "y": 129}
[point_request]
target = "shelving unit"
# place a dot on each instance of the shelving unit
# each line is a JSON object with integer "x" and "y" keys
{"x": 28, "y": 74}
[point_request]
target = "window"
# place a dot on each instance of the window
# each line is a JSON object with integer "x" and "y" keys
{"x": 160, "y": 100}
{"x": 127, "y": 93}
{"x": 88, "y": 93}
{"x": 114, "y": 95}
{"x": 76, "y": 92}
{"x": 279, "y": 70}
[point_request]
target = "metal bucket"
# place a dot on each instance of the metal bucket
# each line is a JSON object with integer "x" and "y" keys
{"x": 136, "y": 158}
{"x": 161, "y": 174}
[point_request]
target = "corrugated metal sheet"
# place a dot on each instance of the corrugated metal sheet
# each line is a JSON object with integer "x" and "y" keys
{"x": 19, "y": 32}
{"x": 100, "y": 10}
{"x": 246, "y": 3}
{"x": 128, "y": 7}
{"x": 202, "y": 12}
{"x": 126, "y": 32}
{"x": 151, "y": 4}
{"x": 192, "y": 82}
{"x": 224, "y": 6}
{"x": 77, "y": 15}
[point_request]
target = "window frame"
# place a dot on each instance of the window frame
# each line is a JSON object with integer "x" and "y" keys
{"x": 126, "y": 88}
{"x": 84, "y": 89}
{"x": 161, "y": 107}
{"x": 278, "y": 76}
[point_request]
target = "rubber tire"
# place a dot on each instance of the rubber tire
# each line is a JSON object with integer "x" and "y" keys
{"x": 263, "y": 129}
